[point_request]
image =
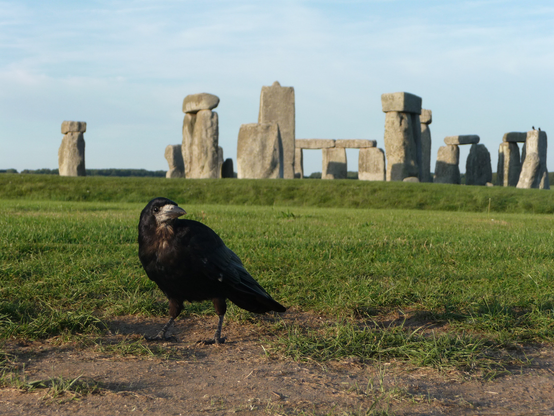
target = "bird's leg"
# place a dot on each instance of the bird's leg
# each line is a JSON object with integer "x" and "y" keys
{"x": 161, "y": 335}
{"x": 220, "y": 308}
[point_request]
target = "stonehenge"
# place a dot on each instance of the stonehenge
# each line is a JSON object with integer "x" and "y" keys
{"x": 71, "y": 154}
{"x": 259, "y": 151}
{"x": 201, "y": 136}
{"x": 425, "y": 119}
{"x": 478, "y": 166}
{"x": 534, "y": 173}
{"x": 371, "y": 164}
{"x": 447, "y": 169}
{"x": 403, "y": 147}
{"x": 174, "y": 159}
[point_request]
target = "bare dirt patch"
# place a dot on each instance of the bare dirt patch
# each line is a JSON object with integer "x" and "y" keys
{"x": 183, "y": 378}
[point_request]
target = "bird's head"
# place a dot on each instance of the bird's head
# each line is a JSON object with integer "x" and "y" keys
{"x": 163, "y": 210}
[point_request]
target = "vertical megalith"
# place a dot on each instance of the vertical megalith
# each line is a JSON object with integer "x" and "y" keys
{"x": 277, "y": 106}
{"x": 298, "y": 163}
{"x": 334, "y": 163}
{"x": 478, "y": 166}
{"x": 509, "y": 163}
{"x": 71, "y": 154}
{"x": 403, "y": 145}
{"x": 200, "y": 136}
{"x": 371, "y": 164}
{"x": 426, "y": 118}
{"x": 447, "y": 169}
{"x": 174, "y": 159}
{"x": 534, "y": 173}
{"x": 227, "y": 170}
{"x": 259, "y": 151}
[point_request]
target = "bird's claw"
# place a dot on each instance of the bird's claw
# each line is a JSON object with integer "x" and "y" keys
{"x": 161, "y": 337}
{"x": 216, "y": 341}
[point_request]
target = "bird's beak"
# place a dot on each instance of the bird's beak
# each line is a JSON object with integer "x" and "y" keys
{"x": 171, "y": 212}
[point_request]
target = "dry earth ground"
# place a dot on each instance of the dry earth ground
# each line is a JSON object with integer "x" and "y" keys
{"x": 240, "y": 377}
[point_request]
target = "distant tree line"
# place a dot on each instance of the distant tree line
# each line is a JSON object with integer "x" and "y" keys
{"x": 96, "y": 172}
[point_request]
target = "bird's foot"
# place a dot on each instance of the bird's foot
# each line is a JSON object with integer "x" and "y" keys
{"x": 216, "y": 341}
{"x": 161, "y": 337}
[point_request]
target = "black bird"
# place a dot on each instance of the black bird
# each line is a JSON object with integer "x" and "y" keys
{"x": 189, "y": 262}
{"x": 533, "y": 127}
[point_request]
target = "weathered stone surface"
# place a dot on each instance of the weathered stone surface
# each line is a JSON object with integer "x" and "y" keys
{"x": 371, "y": 164}
{"x": 259, "y": 151}
{"x": 412, "y": 179}
{"x": 535, "y": 148}
{"x": 174, "y": 159}
{"x": 196, "y": 102}
{"x": 227, "y": 169}
{"x": 314, "y": 143}
{"x": 458, "y": 140}
{"x": 426, "y": 116}
{"x": 478, "y": 166}
{"x": 355, "y": 143}
{"x": 401, "y": 145}
{"x": 402, "y": 102}
{"x": 71, "y": 155}
{"x": 529, "y": 171}
{"x": 514, "y": 137}
{"x": 277, "y": 106}
{"x": 220, "y": 159}
{"x": 509, "y": 164}
{"x": 186, "y": 147}
{"x": 203, "y": 150}
{"x": 334, "y": 163}
{"x": 447, "y": 169}
{"x": 74, "y": 127}
{"x": 298, "y": 163}
{"x": 426, "y": 152}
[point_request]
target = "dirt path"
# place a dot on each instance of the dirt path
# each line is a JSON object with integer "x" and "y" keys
{"x": 239, "y": 377}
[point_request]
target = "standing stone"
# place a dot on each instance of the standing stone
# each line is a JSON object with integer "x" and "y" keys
{"x": 533, "y": 175}
{"x": 426, "y": 118}
{"x": 200, "y": 136}
{"x": 334, "y": 163}
{"x": 400, "y": 146}
{"x": 298, "y": 163}
{"x": 220, "y": 159}
{"x": 509, "y": 164}
{"x": 174, "y": 159}
{"x": 371, "y": 165}
{"x": 71, "y": 154}
{"x": 259, "y": 151}
{"x": 277, "y": 106}
{"x": 227, "y": 170}
{"x": 403, "y": 145}
{"x": 478, "y": 166}
{"x": 447, "y": 169}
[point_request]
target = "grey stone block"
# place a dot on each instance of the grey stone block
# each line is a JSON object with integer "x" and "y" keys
{"x": 355, "y": 143}
{"x": 298, "y": 163}
{"x": 426, "y": 116}
{"x": 277, "y": 106}
{"x": 227, "y": 169}
{"x": 531, "y": 176}
{"x": 509, "y": 164}
{"x": 186, "y": 148}
{"x": 447, "y": 169}
{"x": 412, "y": 179}
{"x": 514, "y": 137}
{"x": 459, "y": 140}
{"x": 334, "y": 163}
{"x": 402, "y": 102}
{"x": 314, "y": 143}
{"x": 196, "y": 102}
{"x": 74, "y": 127}
{"x": 478, "y": 166}
{"x": 529, "y": 171}
{"x": 259, "y": 151}
{"x": 205, "y": 139}
{"x": 426, "y": 153}
{"x": 71, "y": 155}
{"x": 401, "y": 145}
{"x": 174, "y": 159}
{"x": 371, "y": 164}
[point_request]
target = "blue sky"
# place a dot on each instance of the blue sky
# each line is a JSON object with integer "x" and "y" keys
{"x": 124, "y": 67}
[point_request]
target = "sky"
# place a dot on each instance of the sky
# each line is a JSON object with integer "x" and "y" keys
{"x": 482, "y": 67}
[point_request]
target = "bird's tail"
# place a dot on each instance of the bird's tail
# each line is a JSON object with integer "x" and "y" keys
{"x": 255, "y": 302}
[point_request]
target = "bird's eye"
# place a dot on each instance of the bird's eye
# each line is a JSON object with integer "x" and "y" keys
{"x": 156, "y": 209}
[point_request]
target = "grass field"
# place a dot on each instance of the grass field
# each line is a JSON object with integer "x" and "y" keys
{"x": 440, "y": 288}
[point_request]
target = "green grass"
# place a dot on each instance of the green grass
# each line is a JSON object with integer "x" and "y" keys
{"x": 307, "y": 193}
{"x": 483, "y": 281}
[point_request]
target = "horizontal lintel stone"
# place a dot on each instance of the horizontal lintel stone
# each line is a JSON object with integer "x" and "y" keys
{"x": 514, "y": 137}
{"x": 196, "y": 102}
{"x": 314, "y": 143}
{"x": 74, "y": 127}
{"x": 402, "y": 102}
{"x": 467, "y": 139}
{"x": 355, "y": 143}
